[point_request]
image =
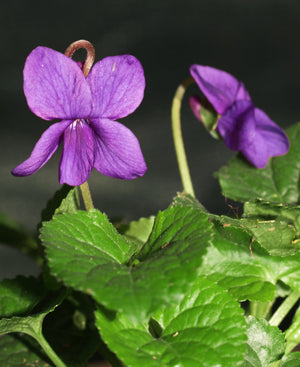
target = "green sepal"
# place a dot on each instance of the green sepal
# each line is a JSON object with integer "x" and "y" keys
{"x": 210, "y": 119}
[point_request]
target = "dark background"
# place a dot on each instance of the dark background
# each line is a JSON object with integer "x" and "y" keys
{"x": 255, "y": 40}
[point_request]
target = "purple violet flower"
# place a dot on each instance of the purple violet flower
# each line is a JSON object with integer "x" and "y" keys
{"x": 55, "y": 88}
{"x": 243, "y": 127}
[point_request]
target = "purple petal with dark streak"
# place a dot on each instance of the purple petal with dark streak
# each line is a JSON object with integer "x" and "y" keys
{"x": 117, "y": 150}
{"x": 77, "y": 158}
{"x": 43, "y": 150}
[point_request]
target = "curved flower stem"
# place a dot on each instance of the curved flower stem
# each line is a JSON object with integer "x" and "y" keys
{"x": 284, "y": 309}
{"x": 86, "y": 196}
{"x": 177, "y": 136}
{"x": 90, "y": 54}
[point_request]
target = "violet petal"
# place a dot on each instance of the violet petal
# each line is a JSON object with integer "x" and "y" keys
{"x": 77, "y": 158}
{"x": 238, "y": 129}
{"x": 117, "y": 84}
{"x": 249, "y": 130}
{"x": 269, "y": 141}
{"x": 276, "y": 141}
{"x": 117, "y": 150}
{"x": 242, "y": 93}
{"x": 237, "y": 126}
{"x": 257, "y": 152}
{"x": 55, "y": 87}
{"x": 219, "y": 87}
{"x": 43, "y": 150}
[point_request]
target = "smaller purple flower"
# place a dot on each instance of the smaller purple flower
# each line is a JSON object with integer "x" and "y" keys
{"x": 243, "y": 127}
{"x": 56, "y": 88}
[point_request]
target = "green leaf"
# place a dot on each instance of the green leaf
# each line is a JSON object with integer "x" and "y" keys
{"x": 238, "y": 262}
{"x": 206, "y": 328}
{"x": 25, "y": 297}
{"x": 275, "y": 236}
{"x": 88, "y": 254}
{"x": 278, "y": 182}
{"x": 81, "y": 241}
{"x": 186, "y": 221}
{"x": 265, "y": 343}
{"x": 186, "y": 200}
{"x": 251, "y": 359}
{"x": 289, "y": 271}
{"x": 292, "y": 334}
{"x": 65, "y": 200}
{"x": 18, "y": 351}
{"x": 280, "y": 212}
{"x": 31, "y": 324}
{"x": 235, "y": 261}
{"x": 292, "y": 360}
{"x": 20, "y": 295}
{"x": 70, "y": 203}
{"x": 64, "y": 327}
{"x": 139, "y": 231}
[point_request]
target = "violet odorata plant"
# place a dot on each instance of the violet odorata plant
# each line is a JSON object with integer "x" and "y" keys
{"x": 185, "y": 287}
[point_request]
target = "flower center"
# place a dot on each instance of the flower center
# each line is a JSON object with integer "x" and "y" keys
{"x": 78, "y": 123}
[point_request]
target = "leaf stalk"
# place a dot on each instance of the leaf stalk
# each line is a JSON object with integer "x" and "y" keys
{"x": 284, "y": 308}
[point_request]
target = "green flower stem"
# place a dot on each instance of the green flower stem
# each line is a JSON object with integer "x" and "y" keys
{"x": 86, "y": 196}
{"x": 177, "y": 136}
{"x": 284, "y": 308}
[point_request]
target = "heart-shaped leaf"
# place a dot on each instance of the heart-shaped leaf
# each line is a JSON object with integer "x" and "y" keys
{"x": 87, "y": 253}
{"x": 206, "y": 328}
